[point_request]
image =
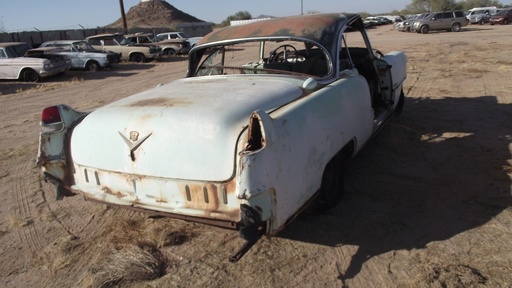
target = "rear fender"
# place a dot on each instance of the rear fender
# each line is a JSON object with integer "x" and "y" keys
{"x": 53, "y": 150}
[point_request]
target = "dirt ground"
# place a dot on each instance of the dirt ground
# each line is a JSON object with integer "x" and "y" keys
{"x": 428, "y": 200}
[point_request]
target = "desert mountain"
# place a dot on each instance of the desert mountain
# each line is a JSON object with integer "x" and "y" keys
{"x": 154, "y": 14}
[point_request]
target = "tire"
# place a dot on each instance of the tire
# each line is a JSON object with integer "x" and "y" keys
{"x": 92, "y": 66}
{"x": 424, "y": 29}
{"x": 456, "y": 27}
{"x": 138, "y": 58}
{"x": 481, "y": 22}
{"x": 505, "y": 21}
{"x": 332, "y": 187}
{"x": 30, "y": 76}
{"x": 170, "y": 52}
{"x": 400, "y": 105}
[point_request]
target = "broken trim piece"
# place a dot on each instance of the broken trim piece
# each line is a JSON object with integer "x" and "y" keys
{"x": 251, "y": 230}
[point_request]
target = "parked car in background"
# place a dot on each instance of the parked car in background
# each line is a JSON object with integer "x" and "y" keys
{"x": 128, "y": 50}
{"x": 83, "y": 55}
{"x": 378, "y": 20}
{"x": 446, "y": 20}
{"x": 491, "y": 10}
{"x": 259, "y": 128}
{"x": 178, "y": 35}
{"x": 169, "y": 46}
{"x": 406, "y": 25}
{"x": 503, "y": 17}
{"x": 479, "y": 17}
{"x": 18, "y": 60}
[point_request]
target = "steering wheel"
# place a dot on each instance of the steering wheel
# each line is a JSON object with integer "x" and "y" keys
{"x": 281, "y": 56}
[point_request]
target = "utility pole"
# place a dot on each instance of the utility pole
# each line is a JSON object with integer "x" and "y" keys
{"x": 125, "y": 27}
{"x": 301, "y": 7}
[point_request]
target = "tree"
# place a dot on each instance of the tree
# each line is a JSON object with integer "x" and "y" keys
{"x": 241, "y": 15}
{"x": 419, "y": 6}
{"x": 2, "y": 29}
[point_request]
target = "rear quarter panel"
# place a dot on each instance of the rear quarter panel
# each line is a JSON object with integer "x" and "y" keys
{"x": 301, "y": 139}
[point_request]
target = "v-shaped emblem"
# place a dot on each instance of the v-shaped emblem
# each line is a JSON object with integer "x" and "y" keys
{"x": 133, "y": 143}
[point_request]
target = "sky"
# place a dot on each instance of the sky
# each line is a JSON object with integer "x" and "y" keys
{"x": 31, "y": 15}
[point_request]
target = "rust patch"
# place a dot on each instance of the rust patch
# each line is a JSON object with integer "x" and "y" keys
{"x": 109, "y": 191}
{"x": 313, "y": 27}
{"x": 159, "y": 102}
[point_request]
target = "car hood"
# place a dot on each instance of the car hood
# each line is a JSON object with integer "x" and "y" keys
{"x": 187, "y": 129}
{"x": 26, "y": 61}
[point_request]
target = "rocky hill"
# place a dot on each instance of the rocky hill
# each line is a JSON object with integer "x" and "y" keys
{"x": 154, "y": 14}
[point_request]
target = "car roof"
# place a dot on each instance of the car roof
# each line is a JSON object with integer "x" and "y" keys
{"x": 64, "y": 41}
{"x": 106, "y": 35}
{"x": 319, "y": 28}
{"x": 8, "y": 44}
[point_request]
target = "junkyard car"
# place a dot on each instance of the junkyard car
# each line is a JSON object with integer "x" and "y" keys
{"x": 83, "y": 55}
{"x": 128, "y": 50}
{"x": 18, "y": 60}
{"x": 258, "y": 129}
{"x": 169, "y": 47}
{"x": 502, "y": 17}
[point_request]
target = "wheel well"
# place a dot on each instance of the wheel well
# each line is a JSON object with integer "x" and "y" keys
{"x": 348, "y": 150}
{"x": 134, "y": 54}
{"x": 91, "y": 61}
{"x": 23, "y": 71}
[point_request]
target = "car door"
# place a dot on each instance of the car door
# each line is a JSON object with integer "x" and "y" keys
{"x": 6, "y": 69}
{"x": 437, "y": 21}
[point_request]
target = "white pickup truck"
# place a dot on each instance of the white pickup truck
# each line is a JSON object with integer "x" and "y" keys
{"x": 258, "y": 129}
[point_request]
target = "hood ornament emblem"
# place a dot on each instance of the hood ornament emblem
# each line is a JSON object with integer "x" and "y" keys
{"x": 134, "y": 142}
{"x": 134, "y": 136}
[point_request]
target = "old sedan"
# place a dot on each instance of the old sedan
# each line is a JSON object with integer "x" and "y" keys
{"x": 258, "y": 129}
{"x": 83, "y": 55}
{"x": 19, "y": 61}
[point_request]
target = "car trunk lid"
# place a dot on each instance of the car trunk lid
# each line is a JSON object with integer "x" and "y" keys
{"x": 187, "y": 129}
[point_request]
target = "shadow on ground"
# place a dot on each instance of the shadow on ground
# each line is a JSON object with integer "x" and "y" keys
{"x": 420, "y": 180}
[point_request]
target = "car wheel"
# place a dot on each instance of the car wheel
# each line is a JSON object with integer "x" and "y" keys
{"x": 170, "y": 52}
{"x": 455, "y": 27}
{"x": 424, "y": 29}
{"x": 30, "y": 75}
{"x": 138, "y": 58}
{"x": 332, "y": 187}
{"x": 92, "y": 66}
{"x": 481, "y": 22}
{"x": 505, "y": 21}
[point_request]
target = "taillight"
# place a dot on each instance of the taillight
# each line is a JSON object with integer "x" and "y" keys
{"x": 51, "y": 115}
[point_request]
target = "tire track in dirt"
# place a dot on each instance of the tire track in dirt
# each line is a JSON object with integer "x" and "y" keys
{"x": 24, "y": 189}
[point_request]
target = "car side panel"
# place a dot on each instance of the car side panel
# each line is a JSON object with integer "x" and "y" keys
{"x": 301, "y": 138}
{"x": 7, "y": 71}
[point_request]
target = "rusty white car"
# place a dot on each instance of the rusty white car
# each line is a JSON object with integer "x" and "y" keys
{"x": 258, "y": 129}
{"x": 18, "y": 60}
{"x": 84, "y": 56}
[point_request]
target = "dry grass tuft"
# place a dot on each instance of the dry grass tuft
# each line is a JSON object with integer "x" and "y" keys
{"x": 17, "y": 222}
{"x": 54, "y": 215}
{"x": 131, "y": 263}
